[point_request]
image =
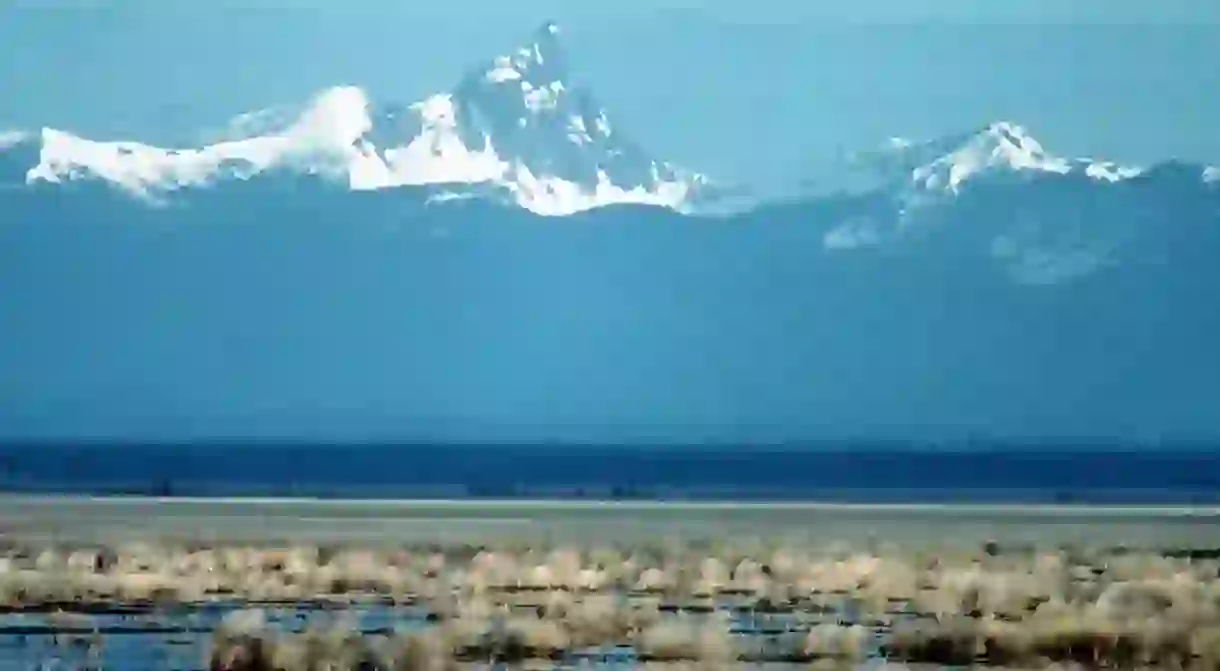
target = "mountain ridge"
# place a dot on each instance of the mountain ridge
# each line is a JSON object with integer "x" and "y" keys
{"x": 516, "y": 123}
{"x": 329, "y": 269}
{"x": 522, "y": 129}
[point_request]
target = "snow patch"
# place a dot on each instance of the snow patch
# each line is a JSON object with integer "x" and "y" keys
{"x": 577, "y": 131}
{"x": 1108, "y": 171}
{"x": 1001, "y": 145}
{"x": 603, "y": 124}
{"x": 550, "y": 160}
{"x": 552, "y": 196}
{"x": 436, "y": 156}
{"x": 542, "y": 98}
{"x": 503, "y": 71}
{"x": 947, "y": 165}
{"x": 330, "y": 138}
{"x": 446, "y": 196}
{"x": 322, "y": 137}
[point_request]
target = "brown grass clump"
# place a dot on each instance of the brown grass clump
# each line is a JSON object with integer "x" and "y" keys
{"x": 836, "y": 641}
{"x": 240, "y": 644}
{"x": 250, "y": 647}
{"x": 683, "y": 638}
{"x": 597, "y": 619}
{"x": 670, "y": 602}
{"x": 423, "y": 651}
{"x": 947, "y": 643}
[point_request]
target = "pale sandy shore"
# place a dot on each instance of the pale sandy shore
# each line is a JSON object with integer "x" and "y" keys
{"x": 369, "y": 522}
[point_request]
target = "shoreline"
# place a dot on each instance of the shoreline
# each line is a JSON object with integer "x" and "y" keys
{"x": 547, "y": 503}
{"x": 389, "y": 522}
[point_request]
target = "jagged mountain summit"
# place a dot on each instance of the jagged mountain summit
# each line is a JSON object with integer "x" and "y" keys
{"x": 518, "y": 126}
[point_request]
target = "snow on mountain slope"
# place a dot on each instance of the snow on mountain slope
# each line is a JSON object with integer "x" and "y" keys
{"x": 920, "y": 177}
{"x": 321, "y": 140}
{"x": 998, "y": 191}
{"x": 1000, "y": 146}
{"x": 999, "y": 150}
{"x": 517, "y": 123}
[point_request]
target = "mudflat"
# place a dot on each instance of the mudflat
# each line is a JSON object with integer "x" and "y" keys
{"x": 114, "y": 519}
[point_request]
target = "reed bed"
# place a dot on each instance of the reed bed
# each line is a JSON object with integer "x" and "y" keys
{"x": 721, "y": 605}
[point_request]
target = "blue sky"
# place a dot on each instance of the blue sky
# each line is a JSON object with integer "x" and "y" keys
{"x": 764, "y": 90}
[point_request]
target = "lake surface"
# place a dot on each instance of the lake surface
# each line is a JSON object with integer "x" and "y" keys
{"x": 830, "y": 473}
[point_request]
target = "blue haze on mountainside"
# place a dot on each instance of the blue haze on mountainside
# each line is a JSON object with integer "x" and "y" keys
{"x": 288, "y": 307}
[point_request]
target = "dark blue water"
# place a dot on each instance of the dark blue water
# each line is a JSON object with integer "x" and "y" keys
{"x": 865, "y": 473}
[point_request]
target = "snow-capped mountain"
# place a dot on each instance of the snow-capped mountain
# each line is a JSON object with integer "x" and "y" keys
{"x": 519, "y": 125}
{"x": 350, "y": 253}
{"x": 1000, "y": 150}
{"x": 520, "y": 129}
{"x": 1000, "y": 193}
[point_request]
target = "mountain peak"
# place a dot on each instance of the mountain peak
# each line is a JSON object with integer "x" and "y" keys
{"x": 1013, "y": 141}
{"x": 546, "y": 38}
{"x": 539, "y": 63}
{"x": 552, "y": 134}
{"x": 1000, "y": 150}
{"x": 1007, "y": 145}
{"x": 1009, "y": 131}
{"x": 1002, "y": 145}
{"x": 515, "y": 125}
{"x": 946, "y": 163}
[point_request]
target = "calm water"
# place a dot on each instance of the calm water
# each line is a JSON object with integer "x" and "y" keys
{"x": 856, "y": 473}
